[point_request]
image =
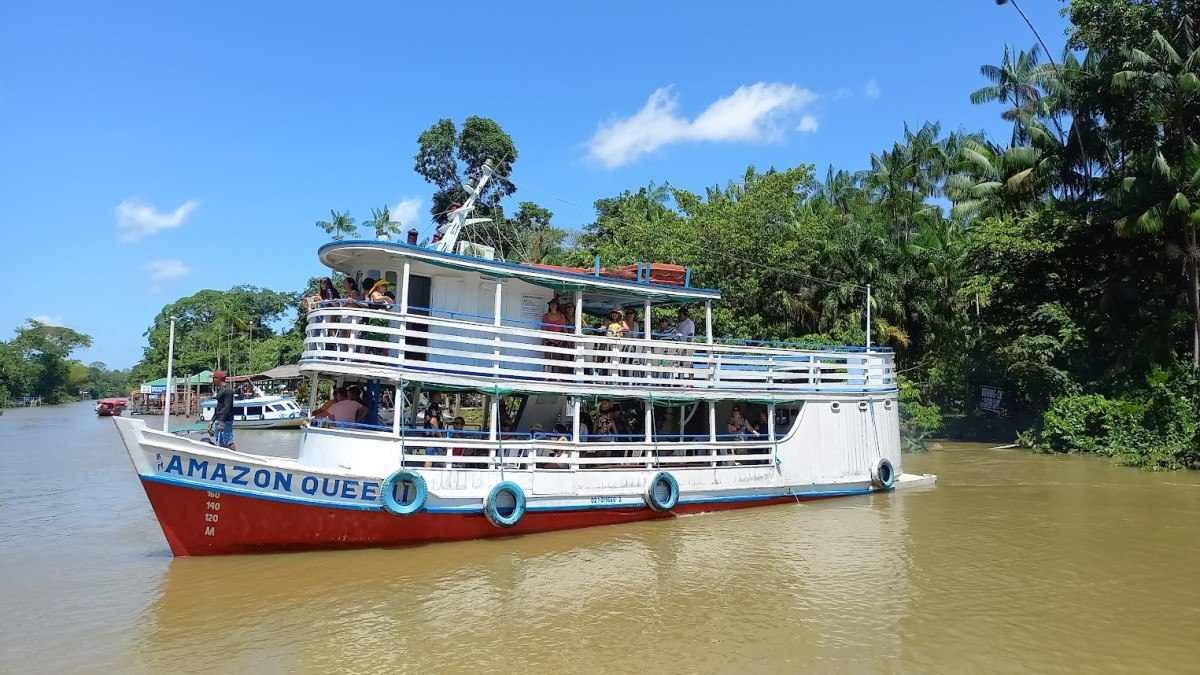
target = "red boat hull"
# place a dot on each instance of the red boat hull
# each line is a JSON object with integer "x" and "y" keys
{"x": 200, "y": 522}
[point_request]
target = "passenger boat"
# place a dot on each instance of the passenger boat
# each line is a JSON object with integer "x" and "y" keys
{"x": 473, "y": 324}
{"x": 260, "y": 412}
{"x": 111, "y": 407}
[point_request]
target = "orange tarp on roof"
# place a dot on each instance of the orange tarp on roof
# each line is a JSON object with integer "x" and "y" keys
{"x": 660, "y": 273}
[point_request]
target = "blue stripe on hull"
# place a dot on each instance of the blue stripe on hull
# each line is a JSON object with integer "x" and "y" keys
{"x": 472, "y": 509}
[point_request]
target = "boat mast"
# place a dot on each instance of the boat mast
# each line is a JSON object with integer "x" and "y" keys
{"x": 457, "y": 219}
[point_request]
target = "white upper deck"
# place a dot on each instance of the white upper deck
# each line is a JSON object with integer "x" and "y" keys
{"x": 361, "y": 257}
{"x": 462, "y": 321}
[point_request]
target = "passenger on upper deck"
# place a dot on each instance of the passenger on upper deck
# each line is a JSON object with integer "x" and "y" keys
{"x": 555, "y": 322}
{"x": 632, "y": 325}
{"x": 351, "y": 289}
{"x": 376, "y": 295}
{"x": 685, "y": 329}
{"x": 615, "y": 326}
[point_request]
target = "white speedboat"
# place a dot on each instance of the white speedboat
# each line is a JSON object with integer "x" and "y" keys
{"x": 260, "y": 412}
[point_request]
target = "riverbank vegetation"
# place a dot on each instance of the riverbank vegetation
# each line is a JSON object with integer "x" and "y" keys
{"x": 36, "y": 363}
{"x": 1044, "y": 285}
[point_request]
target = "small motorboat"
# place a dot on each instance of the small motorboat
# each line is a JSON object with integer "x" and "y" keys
{"x": 111, "y": 407}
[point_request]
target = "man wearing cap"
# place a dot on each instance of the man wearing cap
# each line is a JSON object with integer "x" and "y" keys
{"x": 221, "y": 426}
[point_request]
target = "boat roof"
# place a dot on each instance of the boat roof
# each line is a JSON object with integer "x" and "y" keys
{"x": 347, "y": 256}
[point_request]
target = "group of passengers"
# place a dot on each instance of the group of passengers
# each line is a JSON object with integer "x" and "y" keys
{"x": 559, "y": 318}
{"x": 369, "y": 294}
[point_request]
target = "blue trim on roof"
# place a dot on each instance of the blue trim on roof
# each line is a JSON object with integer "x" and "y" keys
{"x": 583, "y": 279}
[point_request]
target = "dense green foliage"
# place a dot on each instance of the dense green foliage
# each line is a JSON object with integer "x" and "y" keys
{"x": 37, "y": 363}
{"x": 238, "y": 330}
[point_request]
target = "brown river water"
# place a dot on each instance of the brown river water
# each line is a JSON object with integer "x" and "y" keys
{"x": 1013, "y": 563}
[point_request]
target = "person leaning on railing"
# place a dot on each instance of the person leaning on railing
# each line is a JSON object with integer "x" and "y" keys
{"x": 377, "y": 298}
{"x": 351, "y": 297}
{"x": 554, "y": 321}
{"x": 614, "y": 329}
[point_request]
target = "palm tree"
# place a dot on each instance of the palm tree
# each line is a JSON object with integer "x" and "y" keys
{"x": 1160, "y": 189}
{"x": 1015, "y": 82}
{"x": 338, "y": 226}
{"x": 889, "y": 180}
{"x": 385, "y": 227}
{"x": 993, "y": 179}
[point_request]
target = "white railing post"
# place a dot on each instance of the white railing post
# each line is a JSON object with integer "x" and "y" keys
{"x": 649, "y": 427}
{"x": 771, "y": 431}
{"x": 404, "y": 284}
{"x": 708, "y": 330}
{"x": 646, "y": 334}
{"x": 312, "y": 393}
{"x": 494, "y": 426}
{"x": 576, "y": 406}
{"x": 578, "y": 343}
{"x": 708, "y": 338}
{"x": 398, "y": 411}
{"x": 712, "y": 430}
{"x": 868, "y": 318}
{"x": 496, "y": 309}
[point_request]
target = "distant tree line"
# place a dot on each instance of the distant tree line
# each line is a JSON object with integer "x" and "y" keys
{"x": 36, "y": 362}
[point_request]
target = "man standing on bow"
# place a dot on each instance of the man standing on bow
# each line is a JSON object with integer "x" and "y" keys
{"x": 221, "y": 426}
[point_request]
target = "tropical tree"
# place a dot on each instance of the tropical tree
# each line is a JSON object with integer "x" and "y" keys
{"x": 1015, "y": 83}
{"x": 448, "y": 158}
{"x": 539, "y": 239}
{"x": 1160, "y": 187}
{"x": 339, "y": 225}
{"x": 384, "y": 226}
{"x": 44, "y": 350}
{"x": 993, "y": 179}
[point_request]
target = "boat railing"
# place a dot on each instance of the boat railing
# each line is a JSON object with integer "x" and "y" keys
{"x": 560, "y": 329}
{"x": 454, "y": 448}
{"x": 476, "y": 351}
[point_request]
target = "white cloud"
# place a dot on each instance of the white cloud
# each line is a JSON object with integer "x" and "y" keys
{"x": 871, "y": 89}
{"x": 166, "y": 270}
{"x": 137, "y": 218}
{"x": 808, "y": 124}
{"x": 406, "y": 211}
{"x": 750, "y": 113}
{"x": 48, "y": 320}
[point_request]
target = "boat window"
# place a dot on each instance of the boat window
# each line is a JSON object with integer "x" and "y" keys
{"x": 254, "y": 410}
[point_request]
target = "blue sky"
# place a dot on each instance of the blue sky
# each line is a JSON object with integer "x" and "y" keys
{"x": 153, "y": 150}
